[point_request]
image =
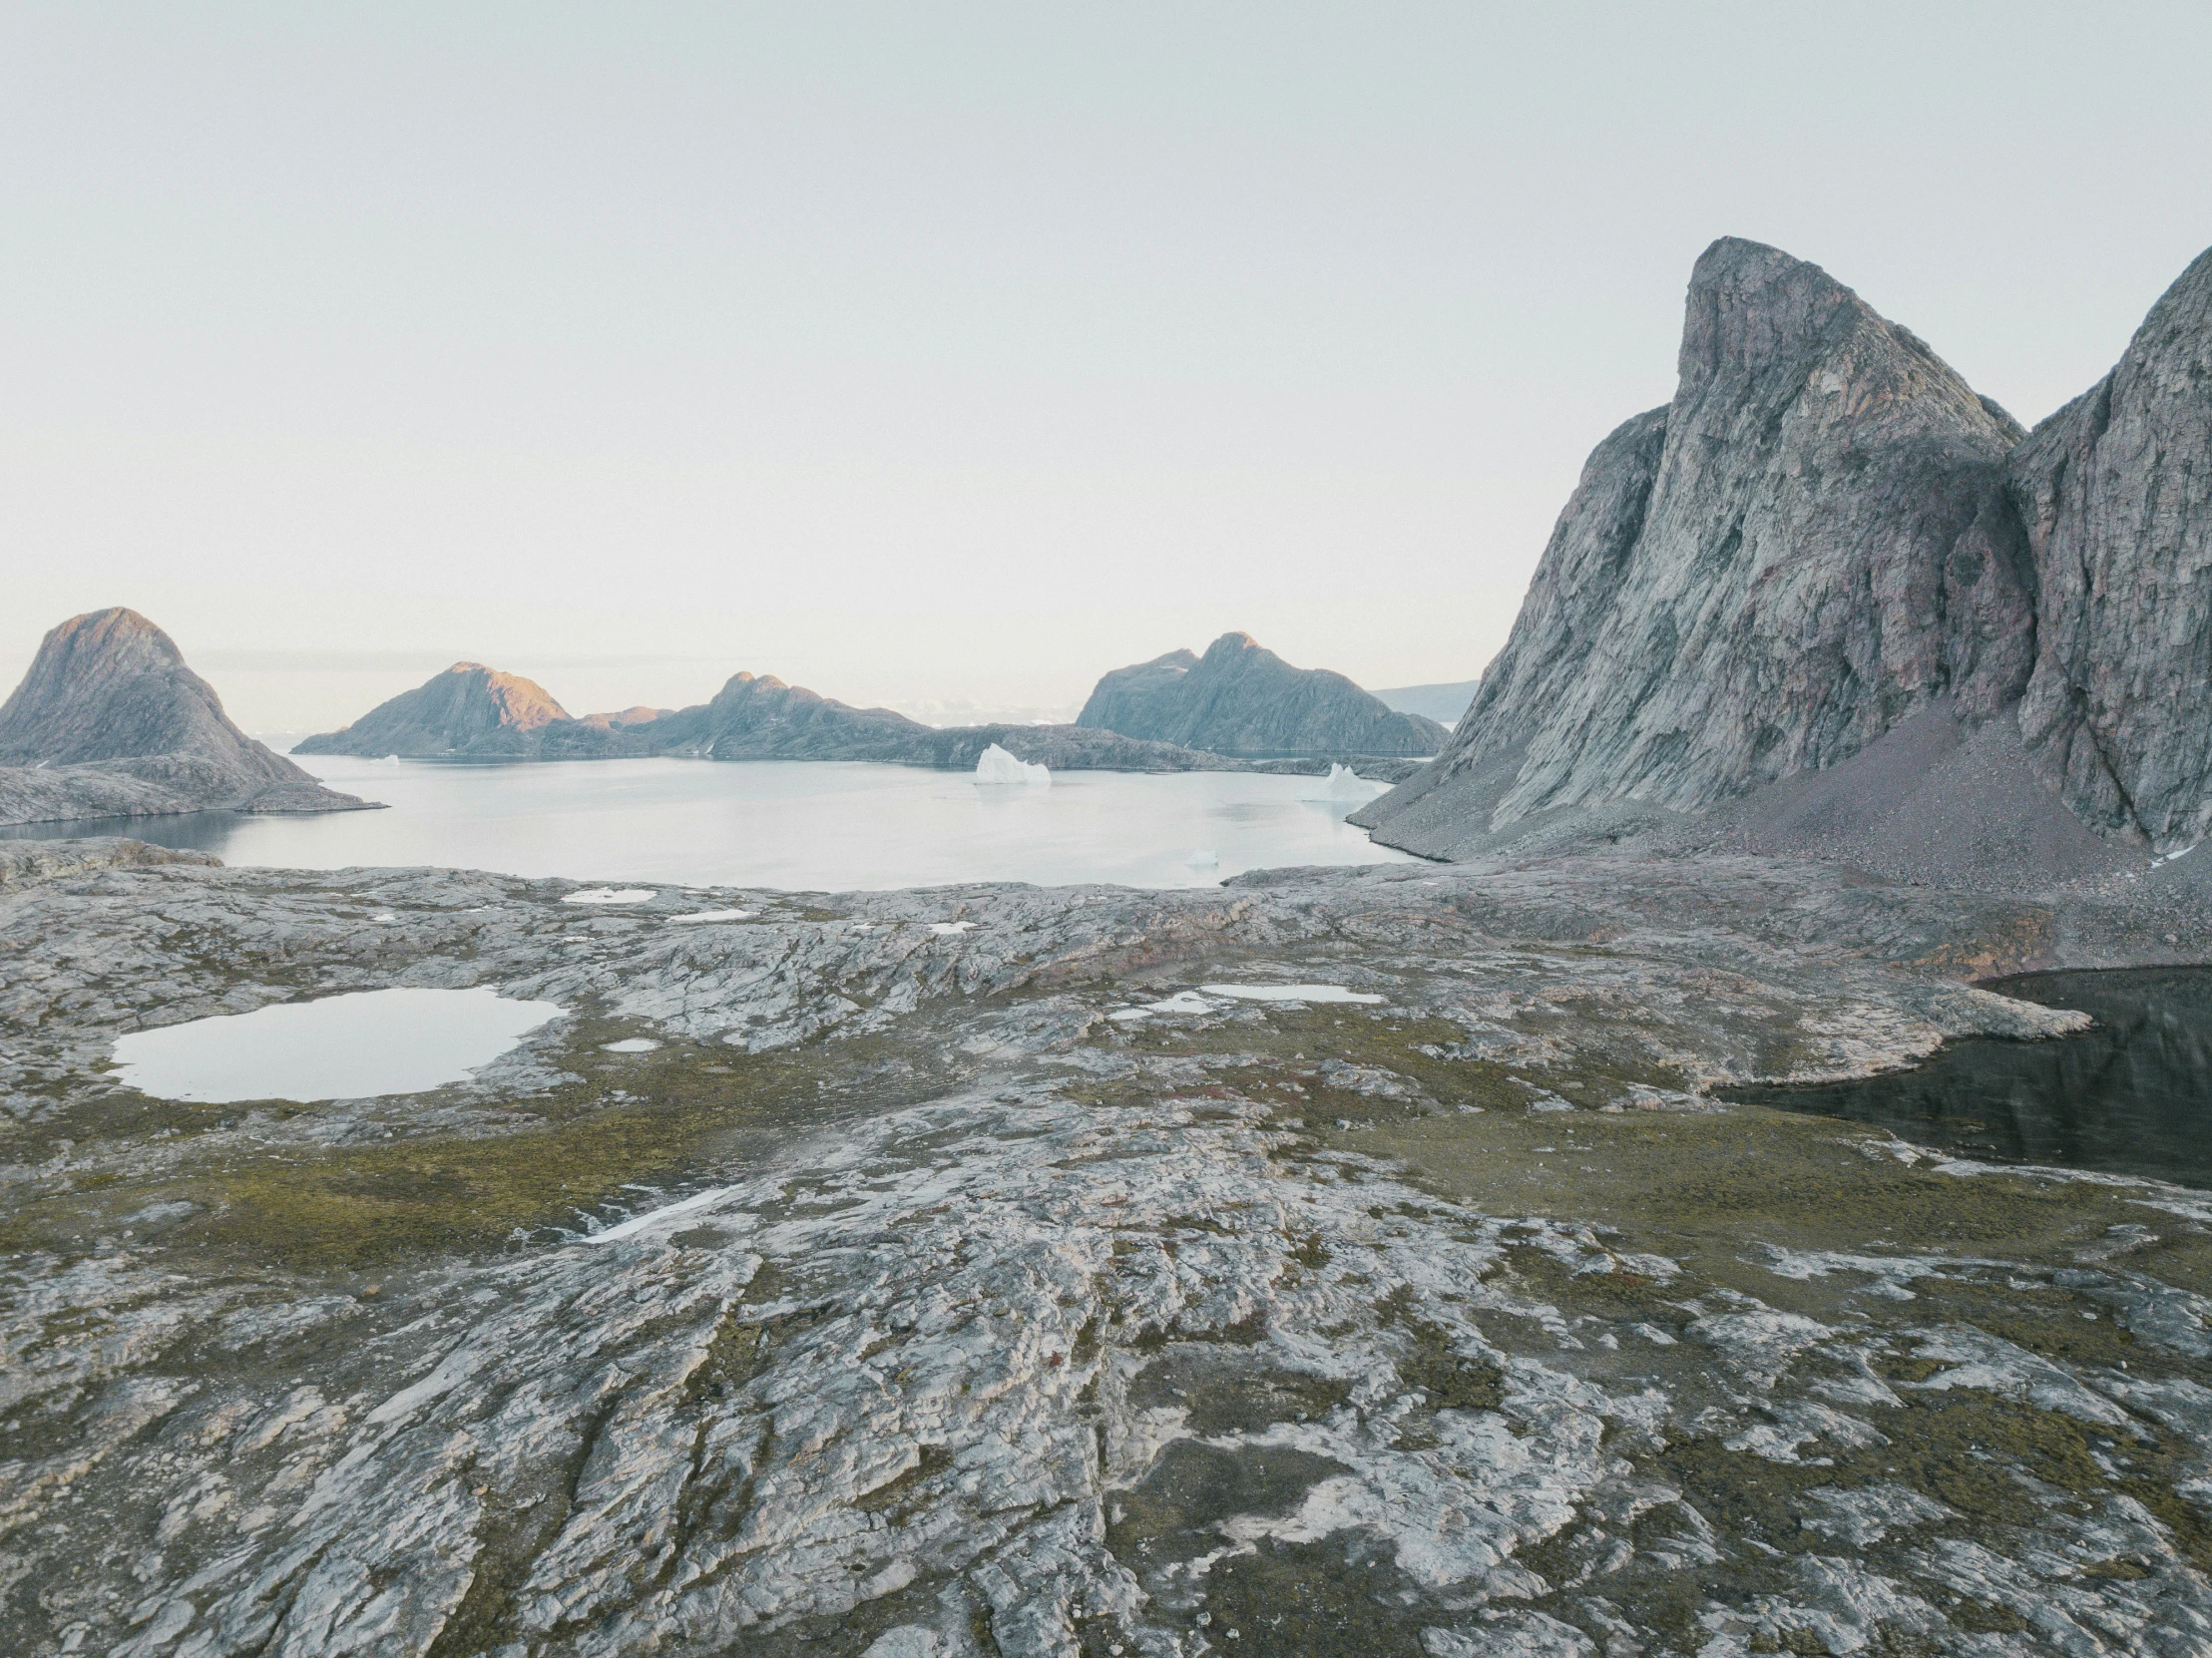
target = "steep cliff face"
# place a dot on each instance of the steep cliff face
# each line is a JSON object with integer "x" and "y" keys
{"x": 2116, "y": 494}
{"x": 475, "y": 712}
{"x": 1239, "y": 699}
{"x": 110, "y": 722}
{"x": 1812, "y": 541}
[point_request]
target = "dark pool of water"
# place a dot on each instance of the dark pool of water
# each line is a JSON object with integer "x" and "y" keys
{"x": 2130, "y": 1095}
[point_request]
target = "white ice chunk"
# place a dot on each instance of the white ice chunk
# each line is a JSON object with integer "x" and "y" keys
{"x": 1343, "y": 783}
{"x": 1289, "y": 992}
{"x": 629, "y": 1044}
{"x": 997, "y": 767}
{"x": 1203, "y": 858}
{"x": 390, "y": 760}
{"x": 712, "y": 915}
{"x": 608, "y": 895}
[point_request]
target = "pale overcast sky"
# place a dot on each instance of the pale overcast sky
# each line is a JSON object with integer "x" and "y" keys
{"x": 962, "y": 352}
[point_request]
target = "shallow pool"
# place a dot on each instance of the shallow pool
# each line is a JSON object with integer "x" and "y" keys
{"x": 2130, "y": 1095}
{"x": 350, "y": 1046}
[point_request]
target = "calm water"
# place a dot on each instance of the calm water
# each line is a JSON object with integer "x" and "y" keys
{"x": 815, "y": 826}
{"x": 347, "y": 1046}
{"x": 2132, "y": 1096}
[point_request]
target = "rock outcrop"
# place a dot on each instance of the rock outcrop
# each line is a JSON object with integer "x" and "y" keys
{"x": 1826, "y": 533}
{"x": 2116, "y": 490}
{"x": 474, "y": 713}
{"x": 110, "y": 722}
{"x": 1239, "y": 699}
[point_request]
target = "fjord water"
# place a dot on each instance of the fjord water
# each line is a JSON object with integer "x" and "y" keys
{"x": 2130, "y": 1095}
{"x": 350, "y": 1046}
{"x": 795, "y": 825}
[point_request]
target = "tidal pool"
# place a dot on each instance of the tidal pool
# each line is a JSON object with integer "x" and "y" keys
{"x": 2130, "y": 1095}
{"x": 351, "y": 1046}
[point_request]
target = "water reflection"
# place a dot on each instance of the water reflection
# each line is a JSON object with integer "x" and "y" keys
{"x": 2130, "y": 1095}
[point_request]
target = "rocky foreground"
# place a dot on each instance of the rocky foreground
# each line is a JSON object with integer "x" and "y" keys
{"x": 906, "y": 1301}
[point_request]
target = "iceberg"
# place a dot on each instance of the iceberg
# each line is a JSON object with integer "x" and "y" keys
{"x": 1343, "y": 783}
{"x": 997, "y": 767}
{"x": 1204, "y": 858}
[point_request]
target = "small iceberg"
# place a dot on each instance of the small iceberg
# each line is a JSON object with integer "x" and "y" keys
{"x": 1289, "y": 992}
{"x": 697, "y": 915}
{"x": 389, "y": 760}
{"x": 1203, "y": 858}
{"x": 608, "y": 895}
{"x": 997, "y": 767}
{"x": 1343, "y": 783}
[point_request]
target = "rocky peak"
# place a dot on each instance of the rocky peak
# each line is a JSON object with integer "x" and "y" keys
{"x": 110, "y": 685}
{"x": 110, "y": 722}
{"x": 1810, "y": 541}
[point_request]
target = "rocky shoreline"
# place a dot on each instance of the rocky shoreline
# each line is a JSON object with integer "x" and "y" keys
{"x": 909, "y": 1301}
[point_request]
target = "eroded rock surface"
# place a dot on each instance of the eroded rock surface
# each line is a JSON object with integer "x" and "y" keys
{"x": 999, "y": 1290}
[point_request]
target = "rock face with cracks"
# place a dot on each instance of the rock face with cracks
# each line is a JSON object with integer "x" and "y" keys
{"x": 1827, "y": 535}
{"x": 905, "y": 1300}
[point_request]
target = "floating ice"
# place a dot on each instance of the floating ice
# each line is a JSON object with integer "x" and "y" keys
{"x": 1343, "y": 783}
{"x": 1182, "y": 1001}
{"x": 712, "y": 915}
{"x": 1203, "y": 858}
{"x": 629, "y": 1044}
{"x": 608, "y": 895}
{"x": 997, "y": 767}
{"x": 1289, "y": 992}
{"x": 352, "y": 1047}
{"x": 390, "y": 760}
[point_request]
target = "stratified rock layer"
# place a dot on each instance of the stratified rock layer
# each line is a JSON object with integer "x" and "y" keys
{"x": 1239, "y": 699}
{"x": 110, "y": 722}
{"x": 2116, "y": 493}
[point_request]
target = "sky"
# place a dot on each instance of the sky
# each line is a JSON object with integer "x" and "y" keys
{"x": 949, "y": 355}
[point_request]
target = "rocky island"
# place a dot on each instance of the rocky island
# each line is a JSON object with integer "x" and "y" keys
{"x": 471, "y": 712}
{"x": 110, "y": 722}
{"x": 1242, "y": 699}
{"x": 1381, "y": 1262}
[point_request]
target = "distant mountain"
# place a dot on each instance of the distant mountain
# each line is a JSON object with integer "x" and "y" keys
{"x": 110, "y": 722}
{"x": 473, "y": 712}
{"x": 759, "y": 717}
{"x": 1444, "y": 704}
{"x": 1241, "y": 699}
